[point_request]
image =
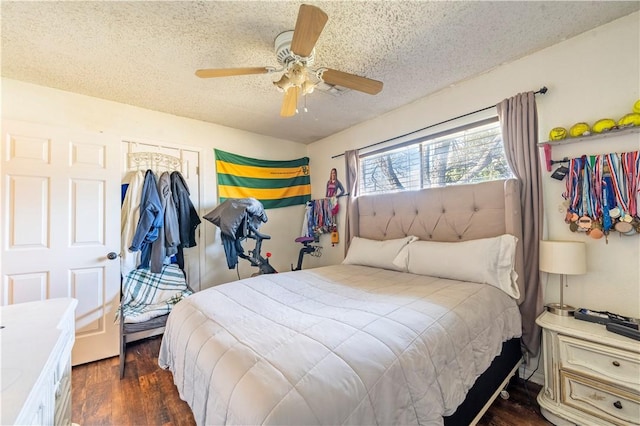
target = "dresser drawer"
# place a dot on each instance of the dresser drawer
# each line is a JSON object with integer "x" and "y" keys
{"x": 599, "y": 361}
{"x": 609, "y": 403}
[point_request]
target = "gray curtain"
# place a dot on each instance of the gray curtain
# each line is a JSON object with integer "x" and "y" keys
{"x": 352, "y": 166}
{"x": 519, "y": 120}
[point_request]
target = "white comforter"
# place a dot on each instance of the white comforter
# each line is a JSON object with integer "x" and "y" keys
{"x": 334, "y": 345}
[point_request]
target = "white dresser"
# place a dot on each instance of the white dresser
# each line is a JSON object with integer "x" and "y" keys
{"x": 36, "y": 339}
{"x": 592, "y": 376}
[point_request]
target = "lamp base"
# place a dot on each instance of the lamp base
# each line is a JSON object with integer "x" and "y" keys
{"x": 562, "y": 310}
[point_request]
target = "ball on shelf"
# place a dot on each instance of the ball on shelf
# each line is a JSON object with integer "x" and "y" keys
{"x": 579, "y": 129}
{"x": 631, "y": 119}
{"x": 603, "y": 125}
{"x": 557, "y": 133}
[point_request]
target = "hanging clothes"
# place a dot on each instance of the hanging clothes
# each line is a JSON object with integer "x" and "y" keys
{"x": 320, "y": 217}
{"x": 151, "y": 219}
{"x": 187, "y": 215}
{"x": 188, "y": 219}
{"x": 166, "y": 245}
{"x": 237, "y": 218}
{"x": 129, "y": 217}
{"x": 306, "y": 230}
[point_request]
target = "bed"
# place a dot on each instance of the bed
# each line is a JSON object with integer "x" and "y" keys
{"x": 390, "y": 336}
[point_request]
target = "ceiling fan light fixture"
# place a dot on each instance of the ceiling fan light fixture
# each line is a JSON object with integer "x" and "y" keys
{"x": 307, "y": 87}
{"x": 295, "y": 51}
{"x": 283, "y": 84}
{"x": 298, "y": 76}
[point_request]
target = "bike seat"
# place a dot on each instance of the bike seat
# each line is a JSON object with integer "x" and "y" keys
{"x": 304, "y": 240}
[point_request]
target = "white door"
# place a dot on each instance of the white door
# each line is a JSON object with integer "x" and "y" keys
{"x": 60, "y": 220}
{"x": 189, "y": 167}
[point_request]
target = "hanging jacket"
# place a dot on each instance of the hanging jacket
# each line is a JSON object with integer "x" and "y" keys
{"x": 151, "y": 219}
{"x": 169, "y": 236}
{"x": 236, "y": 217}
{"x": 188, "y": 218}
{"x": 129, "y": 217}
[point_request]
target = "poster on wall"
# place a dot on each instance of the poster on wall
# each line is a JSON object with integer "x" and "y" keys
{"x": 274, "y": 183}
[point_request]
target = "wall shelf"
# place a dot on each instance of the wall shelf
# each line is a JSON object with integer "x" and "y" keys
{"x": 608, "y": 134}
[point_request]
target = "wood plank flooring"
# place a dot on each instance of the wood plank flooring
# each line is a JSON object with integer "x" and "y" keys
{"x": 147, "y": 395}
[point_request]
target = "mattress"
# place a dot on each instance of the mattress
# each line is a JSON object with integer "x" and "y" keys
{"x": 342, "y": 344}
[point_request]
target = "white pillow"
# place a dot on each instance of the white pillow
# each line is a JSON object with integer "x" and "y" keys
{"x": 486, "y": 260}
{"x": 378, "y": 254}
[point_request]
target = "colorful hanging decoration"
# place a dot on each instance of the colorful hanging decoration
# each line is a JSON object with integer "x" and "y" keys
{"x": 603, "y": 194}
{"x": 320, "y": 218}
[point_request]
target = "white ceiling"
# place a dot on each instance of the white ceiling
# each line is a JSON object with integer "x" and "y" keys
{"x": 144, "y": 53}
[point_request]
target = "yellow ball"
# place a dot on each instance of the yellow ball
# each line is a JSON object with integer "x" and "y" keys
{"x": 636, "y": 106}
{"x": 557, "y": 133}
{"x": 579, "y": 129}
{"x": 631, "y": 119}
{"x": 603, "y": 125}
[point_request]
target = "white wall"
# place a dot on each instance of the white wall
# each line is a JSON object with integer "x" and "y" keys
{"x": 37, "y": 104}
{"x": 592, "y": 76}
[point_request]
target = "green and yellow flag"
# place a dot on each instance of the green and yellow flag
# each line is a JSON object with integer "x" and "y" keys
{"x": 273, "y": 183}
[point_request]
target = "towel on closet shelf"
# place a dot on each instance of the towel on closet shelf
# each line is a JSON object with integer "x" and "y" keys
{"x": 129, "y": 217}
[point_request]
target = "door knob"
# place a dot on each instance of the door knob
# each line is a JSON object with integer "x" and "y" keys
{"x": 112, "y": 255}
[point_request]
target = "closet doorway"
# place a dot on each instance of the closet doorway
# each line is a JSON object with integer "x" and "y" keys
{"x": 138, "y": 155}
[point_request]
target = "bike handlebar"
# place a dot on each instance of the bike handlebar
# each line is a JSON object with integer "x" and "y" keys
{"x": 258, "y": 234}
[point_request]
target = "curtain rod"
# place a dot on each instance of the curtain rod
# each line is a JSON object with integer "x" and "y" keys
{"x": 542, "y": 91}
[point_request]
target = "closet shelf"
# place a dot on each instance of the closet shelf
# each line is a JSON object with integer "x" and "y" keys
{"x": 608, "y": 134}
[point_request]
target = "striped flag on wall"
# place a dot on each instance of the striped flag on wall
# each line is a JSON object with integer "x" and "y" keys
{"x": 273, "y": 183}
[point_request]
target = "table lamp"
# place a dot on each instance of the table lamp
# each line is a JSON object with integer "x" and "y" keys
{"x": 564, "y": 258}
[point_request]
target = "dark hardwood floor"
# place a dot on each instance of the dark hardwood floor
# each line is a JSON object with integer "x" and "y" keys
{"x": 147, "y": 395}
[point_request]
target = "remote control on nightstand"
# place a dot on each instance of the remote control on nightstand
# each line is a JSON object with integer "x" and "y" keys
{"x": 623, "y": 330}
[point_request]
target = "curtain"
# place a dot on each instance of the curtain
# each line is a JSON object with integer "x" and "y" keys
{"x": 352, "y": 166}
{"x": 519, "y": 121}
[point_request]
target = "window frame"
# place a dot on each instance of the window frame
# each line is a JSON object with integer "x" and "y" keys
{"x": 420, "y": 144}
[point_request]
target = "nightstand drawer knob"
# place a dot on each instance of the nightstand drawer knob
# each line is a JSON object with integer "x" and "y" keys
{"x": 618, "y": 405}
{"x": 616, "y": 363}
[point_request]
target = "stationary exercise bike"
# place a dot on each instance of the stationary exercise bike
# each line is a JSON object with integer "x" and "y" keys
{"x": 238, "y": 219}
{"x": 307, "y": 248}
{"x": 255, "y": 257}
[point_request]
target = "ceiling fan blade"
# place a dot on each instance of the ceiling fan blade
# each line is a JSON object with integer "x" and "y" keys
{"x": 352, "y": 81}
{"x": 309, "y": 25}
{"x": 290, "y": 102}
{"x": 228, "y": 72}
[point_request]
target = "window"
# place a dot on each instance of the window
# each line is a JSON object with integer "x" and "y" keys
{"x": 471, "y": 154}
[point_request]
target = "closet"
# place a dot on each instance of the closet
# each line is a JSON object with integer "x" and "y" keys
{"x": 140, "y": 156}
{"x": 147, "y": 165}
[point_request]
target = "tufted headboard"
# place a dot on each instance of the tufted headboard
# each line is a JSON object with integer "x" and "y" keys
{"x": 449, "y": 214}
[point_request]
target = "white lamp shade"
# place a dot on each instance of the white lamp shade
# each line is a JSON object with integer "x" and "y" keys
{"x": 563, "y": 257}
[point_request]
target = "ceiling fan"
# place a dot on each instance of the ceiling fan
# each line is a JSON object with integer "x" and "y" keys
{"x": 295, "y": 51}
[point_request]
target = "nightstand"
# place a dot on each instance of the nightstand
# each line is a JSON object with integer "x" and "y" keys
{"x": 592, "y": 376}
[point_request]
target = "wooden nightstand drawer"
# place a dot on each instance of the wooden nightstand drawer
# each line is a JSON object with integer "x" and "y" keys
{"x": 599, "y": 361}
{"x": 609, "y": 403}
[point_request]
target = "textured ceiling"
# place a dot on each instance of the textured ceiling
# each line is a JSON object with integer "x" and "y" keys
{"x": 144, "y": 53}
